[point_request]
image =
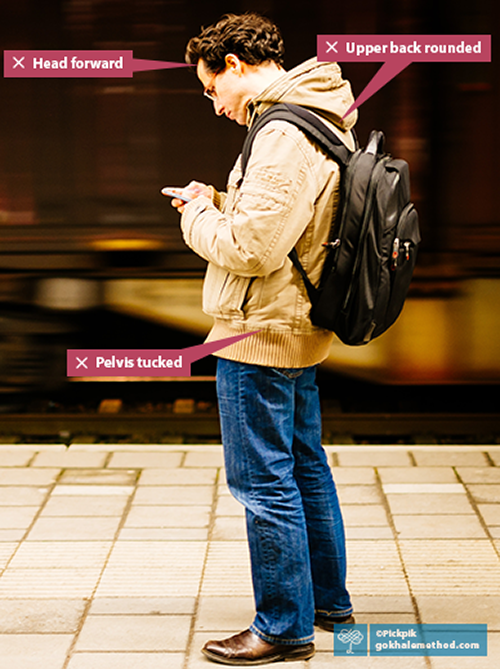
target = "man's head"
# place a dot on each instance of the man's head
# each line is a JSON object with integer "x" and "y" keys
{"x": 236, "y": 59}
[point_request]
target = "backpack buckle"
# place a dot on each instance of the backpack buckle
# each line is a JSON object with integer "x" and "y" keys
{"x": 332, "y": 245}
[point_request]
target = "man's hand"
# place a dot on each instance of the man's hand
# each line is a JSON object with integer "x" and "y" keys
{"x": 193, "y": 190}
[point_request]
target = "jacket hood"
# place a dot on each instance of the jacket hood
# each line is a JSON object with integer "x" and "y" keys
{"x": 318, "y": 86}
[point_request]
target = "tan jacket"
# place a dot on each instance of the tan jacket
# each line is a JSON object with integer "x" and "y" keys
{"x": 287, "y": 199}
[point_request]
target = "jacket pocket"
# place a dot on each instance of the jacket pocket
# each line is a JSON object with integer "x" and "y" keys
{"x": 224, "y": 293}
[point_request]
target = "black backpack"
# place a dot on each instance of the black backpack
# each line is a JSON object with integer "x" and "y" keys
{"x": 374, "y": 237}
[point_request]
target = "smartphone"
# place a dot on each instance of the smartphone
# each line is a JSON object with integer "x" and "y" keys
{"x": 171, "y": 191}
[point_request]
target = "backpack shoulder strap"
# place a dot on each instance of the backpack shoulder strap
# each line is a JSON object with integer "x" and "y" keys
{"x": 308, "y": 122}
{"x": 320, "y": 134}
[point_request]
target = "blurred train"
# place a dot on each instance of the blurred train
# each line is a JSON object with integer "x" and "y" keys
{"x": 91, "y": 255}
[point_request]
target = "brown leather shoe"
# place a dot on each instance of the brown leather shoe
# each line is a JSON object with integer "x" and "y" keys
{"x": 325, "y": 623}
{"x": 246, "y": 648}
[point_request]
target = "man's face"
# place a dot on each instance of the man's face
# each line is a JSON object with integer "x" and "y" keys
{"x": 229, "y": 90}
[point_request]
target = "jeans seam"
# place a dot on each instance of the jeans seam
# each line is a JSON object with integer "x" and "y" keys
{"x": 334, "y": 614}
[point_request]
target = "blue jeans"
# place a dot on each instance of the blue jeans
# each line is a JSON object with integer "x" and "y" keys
{"x": 277, "y": 468}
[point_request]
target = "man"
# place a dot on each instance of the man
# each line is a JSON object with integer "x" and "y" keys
{"x": 268, "y": 398}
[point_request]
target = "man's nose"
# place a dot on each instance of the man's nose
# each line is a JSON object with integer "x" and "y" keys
{"x": 218, "y": 108}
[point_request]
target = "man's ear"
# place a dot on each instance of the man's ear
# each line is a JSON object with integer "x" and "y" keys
{"x": 233, "y": 63}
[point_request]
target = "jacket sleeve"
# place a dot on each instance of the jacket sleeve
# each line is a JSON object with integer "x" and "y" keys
{"x": 270, "y": 212}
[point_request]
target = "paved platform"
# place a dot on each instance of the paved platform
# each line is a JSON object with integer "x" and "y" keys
{"x": 132, "y": 556}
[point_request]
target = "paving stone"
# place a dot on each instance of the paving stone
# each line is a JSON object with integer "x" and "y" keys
{"x": 472, "y": 552}
{"x": 142, "y": 459}
{"x": 69, "y": 459}
{"x": 81, "y": 490}
{"x": 361, "y": 458}
{"x": 61, "y": 554}
{"x": 127, "y": 661}
{"x": 134, "y": 633}
{"x": 34, "y": 448}
{"x": 168, "y": 516}
{"x": 417, "y": 475}
{"x": 228, "y": 562}
{"x": 149, "y": 569}
{"x": 322, "y": 641}
{"x": 490, "y": 513}
{"x": 174, "y": 495}
{"x": 11, "y": 535}
{"x": 17, "y": 517}
{"x": 81, "y": 505}
{"x": 164, "y": 534}
{"x": 429, "y": 503}
{"x": 143, "y": 605}
{"x": 34, "y": 651}
{"x": 479, "y": 474}
{"x": 22, "y": 496}
{"x": 359, "y": 494}
{"x": 224, "y": 613}
{"x": 376, "y": 579}
{"x": 448, "y": 609}
{"x": 374, "y": 553}
{"x": 7, "y": 549}
{"x": 27, "y": 477}
{"x": 73, "y": 528}
{"x": 204, "y": 458}
{"x": 485, "y": 494}
{"x": 373, "y": 514}
{"x": 495, "y": 456}
{"x": 450, "y": 458}
{"x": 149, "y": 582}
{"x": 494, "y": 531}
{"x": 456, "y": 579}
{"x": 97, "y": 477}
{"x": 47, "y": 616}
{"x": 48, "y": 583}
{"x": 382, "y": 604}
{"x": 126, "y": 448}
{"x": 15, "y": 457}
{"x": 428, "y": 488}
{"x": 386, "y": 618}
{"x": 354, "y": 475}
{"x": 229, "y": 506}
{"x": 180, "y": 476}
{"x": 374, "y": 532}
{"x": 327, "y": 661}
{"x": 228, "y": 528}
{"x": 176, "y": 555}
{"x": 438, "y": 526}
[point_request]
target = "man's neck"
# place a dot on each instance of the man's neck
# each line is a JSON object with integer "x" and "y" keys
{"x": 264, "y": 75}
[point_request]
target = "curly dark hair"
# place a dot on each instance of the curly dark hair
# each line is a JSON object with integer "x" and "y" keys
{"x": 253, "y": 38}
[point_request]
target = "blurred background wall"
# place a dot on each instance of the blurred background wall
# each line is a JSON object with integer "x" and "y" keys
{"x": 85, "y": 235}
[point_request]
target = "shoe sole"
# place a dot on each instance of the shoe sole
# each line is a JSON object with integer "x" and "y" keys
{"x": 291, "y": 656}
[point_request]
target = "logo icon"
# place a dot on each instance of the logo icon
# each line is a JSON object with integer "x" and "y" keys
{"x": 350, "y": 640}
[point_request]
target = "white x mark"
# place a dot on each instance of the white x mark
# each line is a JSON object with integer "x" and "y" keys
{"x": 19, "y": 61}
{"x": 81, "y": 363}
{"x": 331, "y": 47}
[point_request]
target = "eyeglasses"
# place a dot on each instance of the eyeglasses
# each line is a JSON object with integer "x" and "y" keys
{"x": 209, "y": 92}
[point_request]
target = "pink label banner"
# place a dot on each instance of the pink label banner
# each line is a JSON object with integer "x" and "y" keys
{"x": 398, "y": 51}
{"x": 141, "y": 362}
{"x": 29, "y": 64}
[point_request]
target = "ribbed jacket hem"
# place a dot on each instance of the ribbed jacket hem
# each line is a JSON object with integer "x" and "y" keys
{"x": 273, "y": 348}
